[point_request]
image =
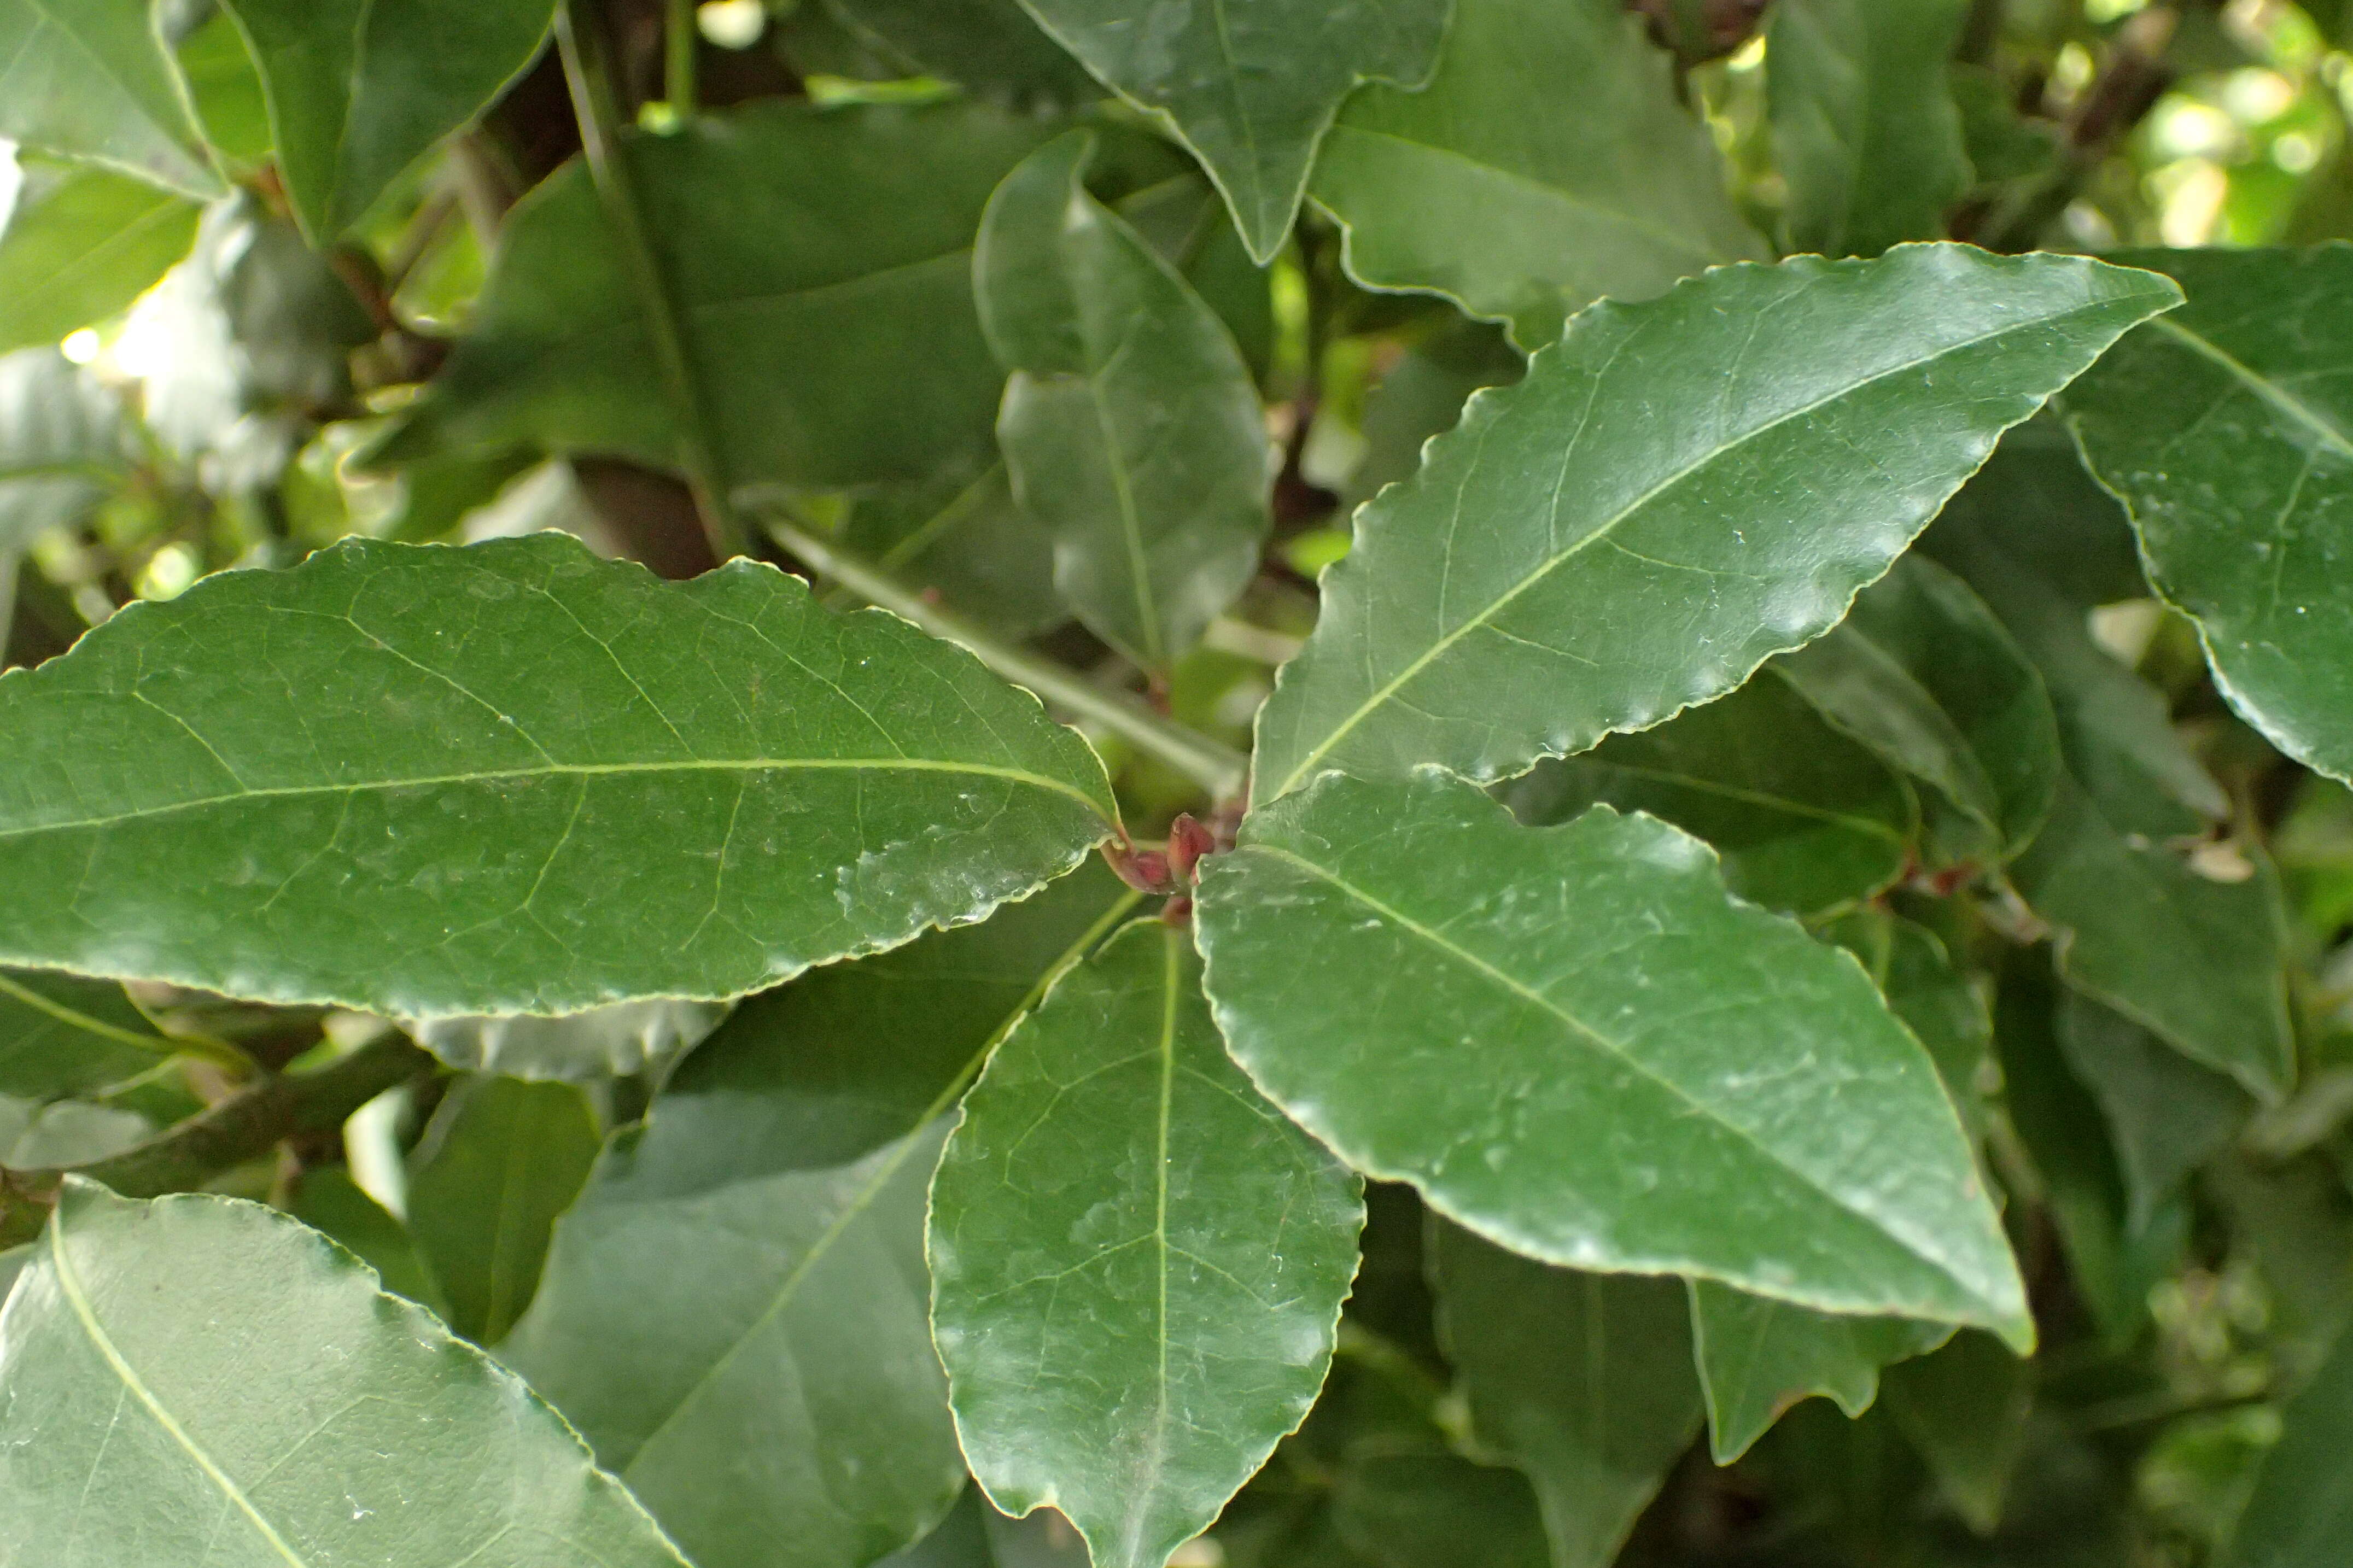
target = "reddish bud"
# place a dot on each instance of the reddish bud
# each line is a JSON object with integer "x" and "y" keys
{"x": 1187, "y": 842}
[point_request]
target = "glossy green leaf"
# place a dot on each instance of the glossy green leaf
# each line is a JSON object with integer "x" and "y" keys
{"x": 1804, "y": 818}
{"x": 331, "y": 1203}
{"x": 1480, "y": 187}
{"x": 1921, "y": 671}
{"x": 62, "y": 1035}
{"x": 60, "y": 444}
{"x": 1936, "y": 1001}
{"x": 1675, "y": 565}
{"x": 1185, "y": 219}
{"x": 2301, "y": 1515}
{"x": 1131, "y": 428}
{"x": 81, "y": 243}
{"x": 820, "y": 263}
{"x": 2165, "y": 1114}
{"x": 1584, "y": 1381}
{"x": 1757, "y": 1358}
{"x": 1866, "y": 130}
{"x": 91, "y": 79}
{"x": 684, "y": 790}
{"x": 2228, "y": 433}
{"x": 991, "y": 46}
{"x": 1964, "y": 1410}
{"x": 740, "y": 1292}
{"x": 579, "y": 1047}
{"x": 1575, "y": 1041}
{"x": 359, "y": 89}
{"x": 198, "y": 1379}
{"x": 2201, "y": 962}
{"x": 500, "y": 1161}
{"x": 1250, "y": 89}
{"x": 1137, "y": 1264}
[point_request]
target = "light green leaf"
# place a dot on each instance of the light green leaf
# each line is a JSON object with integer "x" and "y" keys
{"x": 740, "y": 1292}
{"x": 1936, "y": 1001}
{"x": 578, "y": 1047}
{"x": 2229, "y": 437}
{"x": 226, "y": 91}
{"x": 61, "y": 1034}
{"x": 350, "y": 788}
{"x": 66, "y": 1132}
{"x": 2301, "y": 1515}
{"x": 1584, "y": 1381}
{"x": 201, "y": 1379}
{"x": 820, "y": 263}
{"x": 1804, "y": 818}
{"x": 1131, "y": 427}
{"x": 82, "y": 242}
{"x": 1757, "y": 1358}
{"x": 359, "y": 89}
{"x": 2165, "y": 1114}
{"x": 2199, "y": 962}
{"x": 1865, "y": 129}
{"x": 60, "y": 444}
{"x": 1965, "y": 1409}
{"x": 1250, "y": 89}
{"x": 1483, "y": 188}
{"x": 91, "y": 79}
{"x": 1676, "y": 563}
{"x": 1922, "y": 673}
{"x": 1575, "y": 1041}
{"x": 500, "y": 1161}
{"x": 1137, "y": 1264}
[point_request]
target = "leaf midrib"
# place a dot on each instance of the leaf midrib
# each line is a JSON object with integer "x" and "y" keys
{"x": 2268, "y": 390}
{"x": 1610, "y": 524}
{"x": 572, "y": 769}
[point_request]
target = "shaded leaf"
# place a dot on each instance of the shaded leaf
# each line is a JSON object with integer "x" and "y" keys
{"x": 1674, "y": 566}
{"x": 614, "y": 1041}
{"x": 1137, "y": 1264}
{"x": 293, "y": 825}
{"x": 1131, "y": 428}
{"x": 739, "y": 1297}
{"x": 1965, "y": 1409}
{"x": 61, "y": 1034}
{"x": 2166, "y": 1115}
{"x": 991, "y": 46}
{"x": 93, "y": 82}
{"x": 331, "y": 1203}
{"x": 81, "y": 243}
{"x": 1803, "y": 818}
{"x": 1866, "y": 130}
{"x": 2228, "y": 433}
{"x": 1573, "y": 1040}
{"x": 1583, "y": 1381}
{"x": 964, "y": 538}
{"x": 1921, "y": 671}
{"x": 1431, "y": 1510}
{"x": 1422, "y": 395}
{"x": 226, "y": 1386}
{"x": 359, "y": 89}
{"x": 1250, "y": 89}
{"x": 1480, "y": 188}
{"x": 820, "y": 264}
{"x": 60, "y": 444}
{"x": 500, "y": 1161}
{"x": 1185, "y": 219}
{"x": 2301, "y": 1515}
{"x": 1936, "y": 1001}
{"x": 1757, "y": 1358}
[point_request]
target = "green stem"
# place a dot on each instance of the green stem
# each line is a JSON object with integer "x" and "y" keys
{"x": 589, "y": 76}
{"x": 244, "y": 1127}
{"x": 1218, "y": 768}
{"x": 161, "y": 1044}
{"x": 677, "y": 58}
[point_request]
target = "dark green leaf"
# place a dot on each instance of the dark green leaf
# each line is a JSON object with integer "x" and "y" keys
{"x": 1573, "y": 1040}
{"x": 741, "y": 1291}
{"x": 1675, "y": 566}
{"x": 437, "y": 494}
{"x": 1187, "y": 221}
{"x": 60, "y": 444}
{"x": 500, "y": 1161}
{"x": 581, "y": 1048}
{"x": 1584, "y": 1381}
{"x": 1137, "y": 1263}
{"x": 820, "y": 262}
{"x": 1252, "y": 89}
{"x": 1432, "y": 1510}
{"x": 2228, "y": 432}
{"x": 61, "y": 1034}
{"x": 1965, "y": 1409}
{"x": 358, "y": 91}
{"x": 91, "y": 80}
{"x": 2301, "y": 1514}
{"x": 1131, "y": 427}
{"x": 990, "y": 46}
{"x": 2201, "y": 962}
{"x": 1921, "y": 671}
{"x": 331, "y": 1203}
{"x": 1757, "y": 1358}
{"x": 81, "y": 243}
{"x": 1937, "y": 1002}
{"x": 1864, "y": 124}
{"x": 1804, "y": 818}
{"x": 350, "y": 788}
{"x": 964, "y": 538}
{"x": 1481, "y": 188}
{"x": 200, "y": 1379}
{"x": 2166, "y": 1115}
{"x": 1421, "y": 397}
{"x": 2002, "y": 144}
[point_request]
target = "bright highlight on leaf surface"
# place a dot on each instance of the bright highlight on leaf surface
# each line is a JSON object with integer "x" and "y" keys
{"x": 514, "y": 778}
